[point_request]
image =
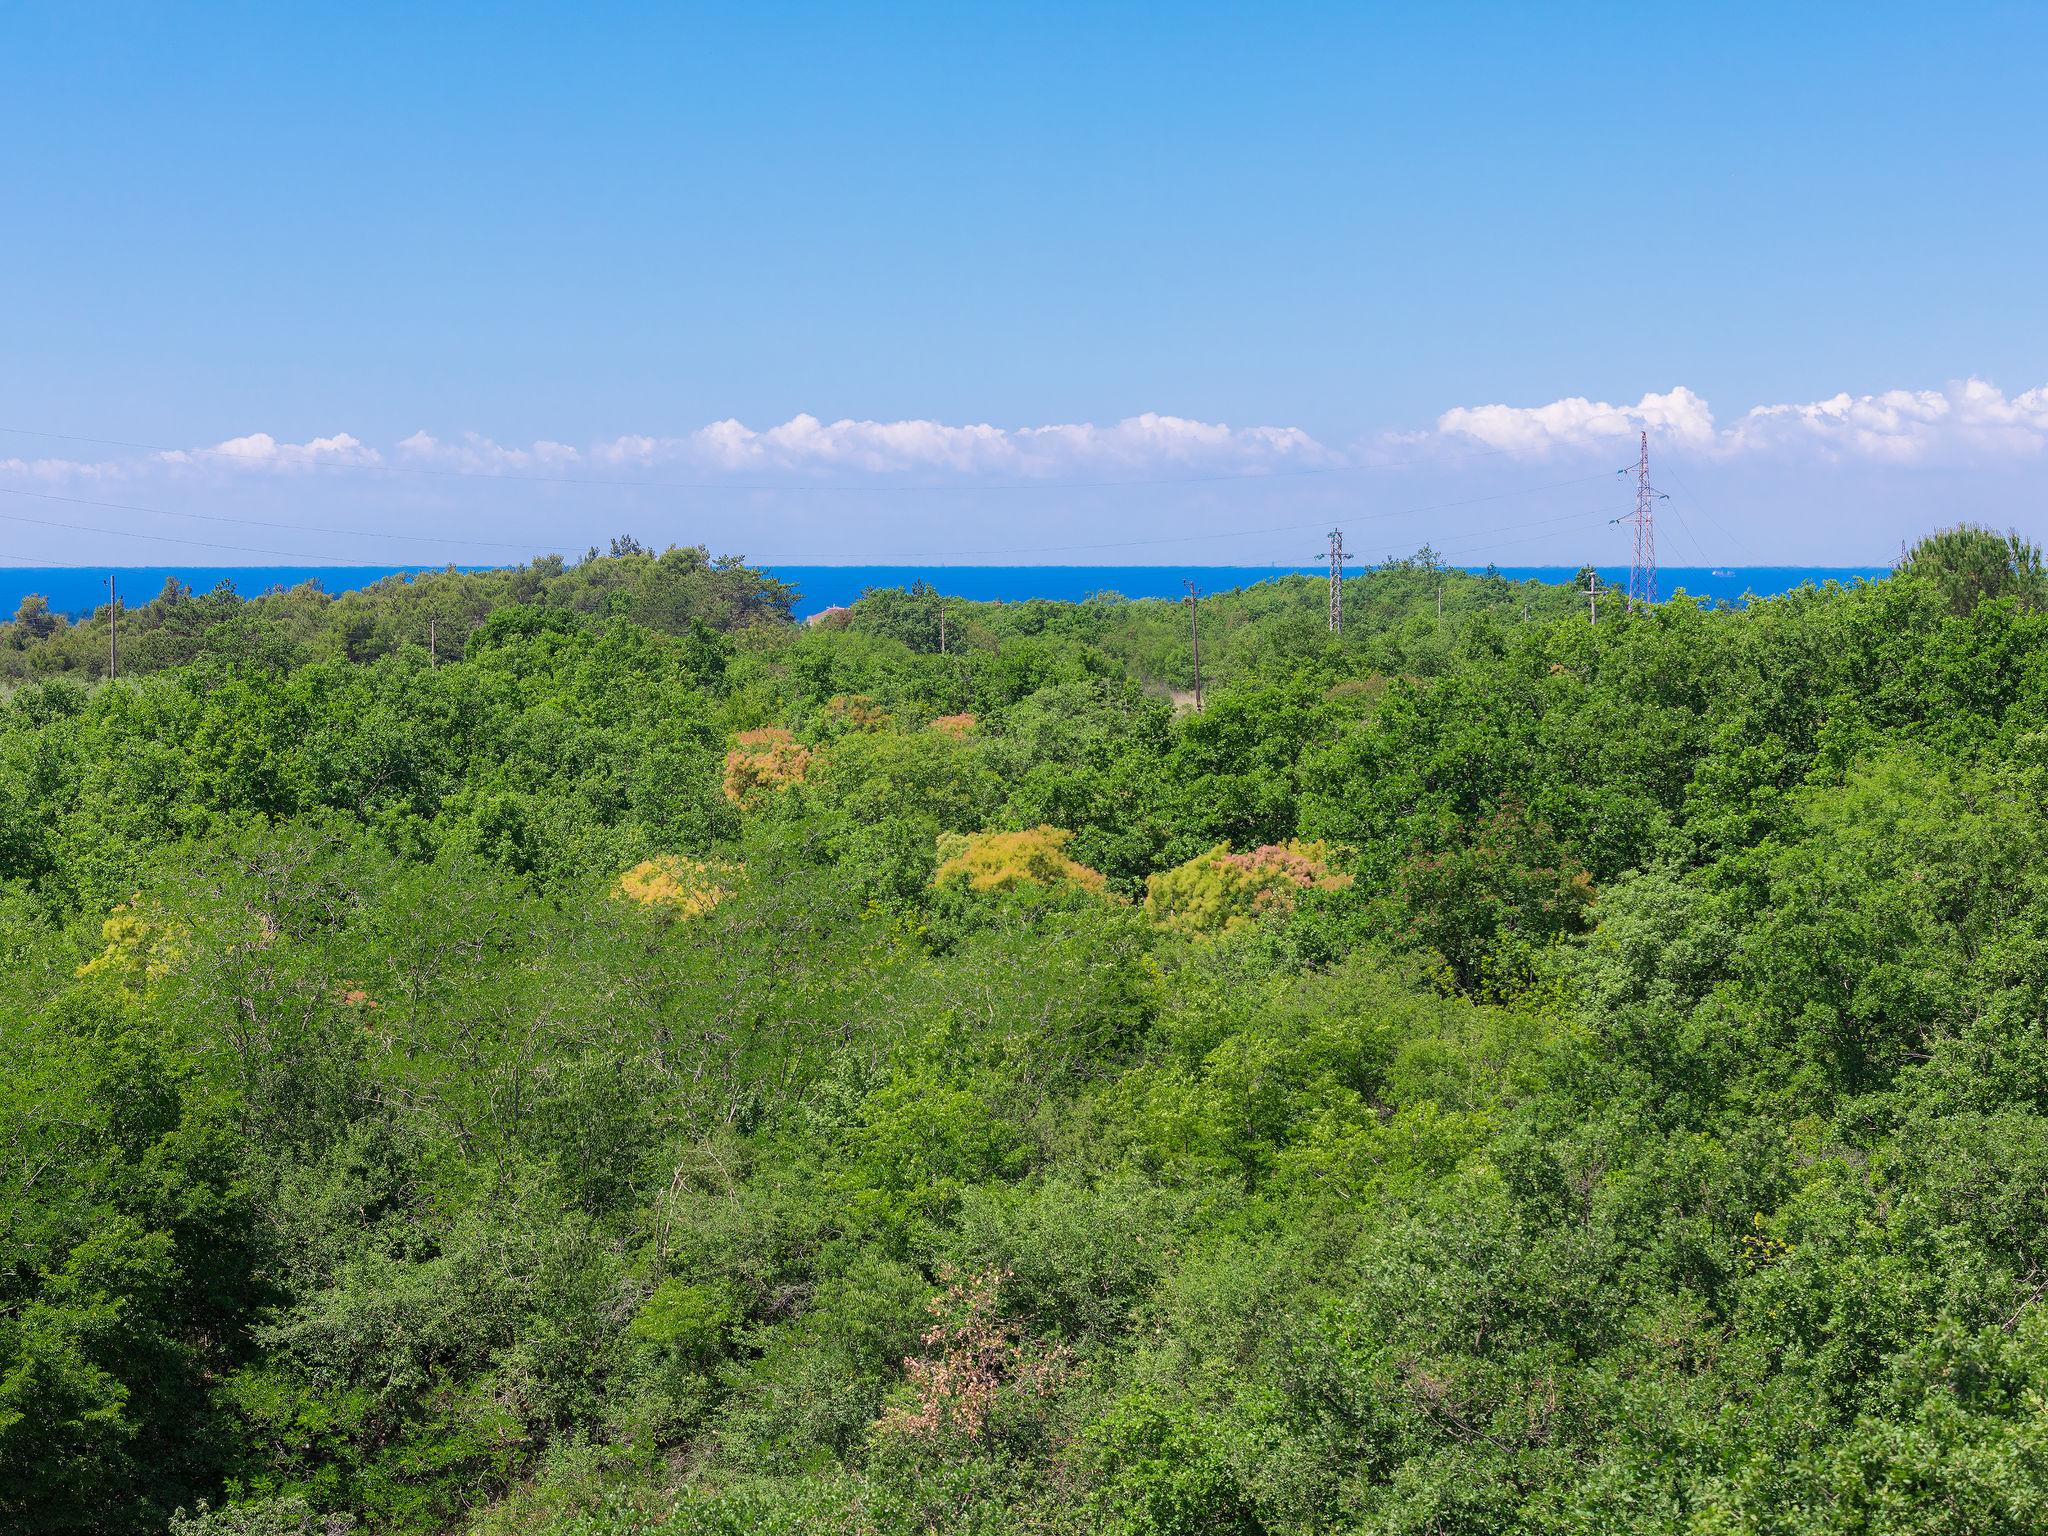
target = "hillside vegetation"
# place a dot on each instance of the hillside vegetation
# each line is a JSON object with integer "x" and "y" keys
{"x": 645, "y": 1065}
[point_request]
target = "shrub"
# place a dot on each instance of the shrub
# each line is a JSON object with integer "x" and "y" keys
{"x": 677, "y": 886}
{"x": 1220, "y": 890}
{"x": 505, "y": 625}
{"x": 855, "y": 712}
{"x": 763, "y": 762}
{"x": 142, "y": 947}
{"x": 287, "y": 1516}
{"x": 977, "y": 1369}
{"x": 1486, "y": 906}
{"x": 1002, "y": 861}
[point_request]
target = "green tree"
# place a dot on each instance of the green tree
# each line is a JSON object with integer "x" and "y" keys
{"x": 1969, "y": 565}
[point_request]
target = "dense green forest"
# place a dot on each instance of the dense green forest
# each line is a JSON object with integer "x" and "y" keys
{"x": 572, "y": 1052}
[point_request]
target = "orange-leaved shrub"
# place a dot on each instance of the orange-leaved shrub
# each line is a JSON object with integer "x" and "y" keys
{"x": 677, "y": 887}
{"x": 956, "y": 726}
{"x": 1219, "y": 890}
{"x": 763, "y": 762}
{"x": 856, "y": 712}
{"x": 1002, "y": 861}
{"x": 976, "y": 1366}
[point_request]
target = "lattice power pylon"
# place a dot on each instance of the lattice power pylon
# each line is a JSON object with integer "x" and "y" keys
{"x": 1338, "y": 555}
{"x": 1642, "y": 570}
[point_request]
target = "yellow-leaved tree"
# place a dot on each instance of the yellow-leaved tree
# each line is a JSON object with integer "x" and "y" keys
{"x": 143, "y": 945}
{"x": 678, "y": 887}
{"x": 1219, "y": 890}
{"x": 1002, "y": 861}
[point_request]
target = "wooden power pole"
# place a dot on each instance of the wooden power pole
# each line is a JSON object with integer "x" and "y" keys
{"x": 1195, "y": 639}
{"x": 113, "y": 628}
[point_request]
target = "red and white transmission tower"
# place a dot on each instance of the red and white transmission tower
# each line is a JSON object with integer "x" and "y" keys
{"x": 1642, "y": 570}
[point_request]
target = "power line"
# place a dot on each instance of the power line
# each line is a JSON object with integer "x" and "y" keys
{"x": 255, "y": 522}
{"x": 1691, "y": 537}
{"x": 1481, "y": 534}
{"x": 1243, "y": 533}
{"x": 1409, "y": 511}
{"x": 1463, "y": 546}
{"x": 1192, "y": 599}
{"x": 164, "y": 538}
{"x": 126, "y": 533}
{"x": 1707, "y": 512}
{"x": 1473, "y": 549}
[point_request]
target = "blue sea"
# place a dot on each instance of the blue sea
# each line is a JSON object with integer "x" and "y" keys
{"x": 78, "y": 591}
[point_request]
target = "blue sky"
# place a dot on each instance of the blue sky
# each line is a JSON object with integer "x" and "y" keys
{"x": 459, "y": 275}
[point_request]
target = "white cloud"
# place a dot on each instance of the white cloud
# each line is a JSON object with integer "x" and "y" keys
{"x": 804, "y": 444}
{"x": 475, "y": 452}
{"x": 1146, "y": 446}
{"x": 55, "y": 471}
{"x": 261, "y": 450}
{"x": 1971, "y": 419}
{"x": 256, "y": 450}
{"x": 637, "y": 450}
{"x": 1578, "y": 422}
{"x": 1966, "y": 421}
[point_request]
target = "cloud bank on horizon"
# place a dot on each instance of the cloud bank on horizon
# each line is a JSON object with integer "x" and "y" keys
{"x": 1966, "y": 421}
{"x": 803, "y": 445}
{"x": 1832, "y": 482}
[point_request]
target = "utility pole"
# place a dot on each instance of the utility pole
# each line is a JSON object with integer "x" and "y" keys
{"x": 433, "y": 651}
{"x": 1195, "y": 639}
{"x": 942, "y": 631}
{"x": 1439, "y": 599}
{"x": 1338, "y": 555}
{"x": 1642, "y": 571}
{"x": 1592, "y": 597}
{"x": 113, "y": 628}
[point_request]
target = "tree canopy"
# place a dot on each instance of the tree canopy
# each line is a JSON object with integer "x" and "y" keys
{"x": 569, "y": 1051}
